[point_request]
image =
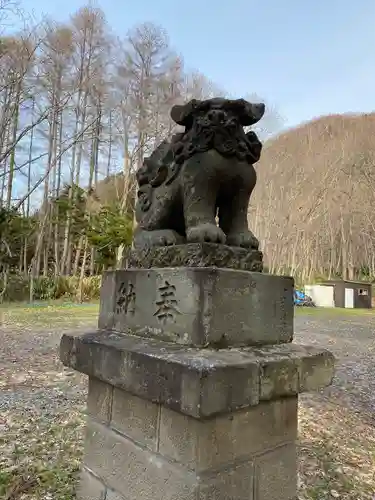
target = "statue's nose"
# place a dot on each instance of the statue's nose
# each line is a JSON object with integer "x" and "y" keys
{"x": 258, "y": 110}
{"x": 216, "y": 115}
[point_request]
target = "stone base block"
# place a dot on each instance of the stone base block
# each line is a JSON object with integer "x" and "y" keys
{"x": 199, "y": 306}
{"x": 199, "y": 383}
{"x": 168, "y": 422}
{"x": 197, "y": 255}
{"x": 146, "y": 451}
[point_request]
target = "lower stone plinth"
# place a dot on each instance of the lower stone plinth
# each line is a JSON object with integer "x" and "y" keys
{"x": 146, "y": 451}
{"x": 168, "y": 422}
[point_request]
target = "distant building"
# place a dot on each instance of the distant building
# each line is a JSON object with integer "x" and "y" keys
{"x": 341, "y": 293}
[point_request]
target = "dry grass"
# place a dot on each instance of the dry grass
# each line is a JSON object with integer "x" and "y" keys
{"x": 42, "y": 429}
{"x": 337, "y": 452}
{"x": 40, "y": 459}
{"x": 47, "y": 315}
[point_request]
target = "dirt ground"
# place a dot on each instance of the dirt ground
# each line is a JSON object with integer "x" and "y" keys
{"x": 352, "y": 339}
{"x": 42, "y": 406}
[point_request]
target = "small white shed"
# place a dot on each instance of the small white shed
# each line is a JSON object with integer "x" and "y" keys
{"x": 321, "y": 295}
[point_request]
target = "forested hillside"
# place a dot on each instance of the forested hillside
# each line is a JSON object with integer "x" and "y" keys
{"x": 314, "y": 202}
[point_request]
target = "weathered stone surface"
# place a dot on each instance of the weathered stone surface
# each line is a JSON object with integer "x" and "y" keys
{"x": 112, "y": 495}
{"x": 205, "y": 470}
{"x": 232, "y": 483}
{"x": 135, "y": 417}
{"x": 90, "y": 487}
{"x": 205, "y": 171}
{"x": 316, "y": 372}
{"x": 292, "y": 369}
{"x": 276, "y": 474}
{"x": 107, "y": 300}
{"x": 213, "y": 443}
{"x": 202, "y": 306}
{"x": 197, "y": 382}
{"x": 197, "y": 255}
{"x": 135, "y": 471}
{"x": 99, "y": 400}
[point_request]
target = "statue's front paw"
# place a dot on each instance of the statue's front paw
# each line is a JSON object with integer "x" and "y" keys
{"x": 157, "y": 238}
{"x": 244, "y": 239}
{"x": 205, "y": 233}
{"x": 169, "y": 237}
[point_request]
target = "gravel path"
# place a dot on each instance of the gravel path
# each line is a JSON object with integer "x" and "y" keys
{"x": 352, "y": 340}
{"x": 30, "y": 372}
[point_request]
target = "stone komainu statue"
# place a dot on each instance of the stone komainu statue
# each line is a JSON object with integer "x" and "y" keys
{"x": 203, "y": 172}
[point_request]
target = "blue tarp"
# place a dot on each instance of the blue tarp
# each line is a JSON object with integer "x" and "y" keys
{"x": 301, "y": 299}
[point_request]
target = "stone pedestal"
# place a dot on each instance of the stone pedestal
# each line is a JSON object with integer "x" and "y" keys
{"x": 199, "y": 306}
{"x": 193, "y": 386}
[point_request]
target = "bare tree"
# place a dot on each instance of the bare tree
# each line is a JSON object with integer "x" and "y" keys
{"x": 90, "y": 47}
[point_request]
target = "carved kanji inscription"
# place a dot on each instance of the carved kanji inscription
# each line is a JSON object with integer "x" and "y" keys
{"x": 125, "y": 302}
{"x": 167, "y": 306}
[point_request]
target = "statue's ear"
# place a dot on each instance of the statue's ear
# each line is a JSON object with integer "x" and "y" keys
{"x": 183, "y": 114}
{"x": 250, "y": 113}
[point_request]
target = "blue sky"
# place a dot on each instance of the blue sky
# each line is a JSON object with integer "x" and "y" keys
{"x": 307, "y": 58}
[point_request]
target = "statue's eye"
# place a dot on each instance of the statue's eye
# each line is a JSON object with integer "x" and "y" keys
{"x": 204, "y": 121}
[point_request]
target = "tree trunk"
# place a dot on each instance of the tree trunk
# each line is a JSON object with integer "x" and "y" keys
{"x": 13, "y": 153}
{"x": 82, "y": 274}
